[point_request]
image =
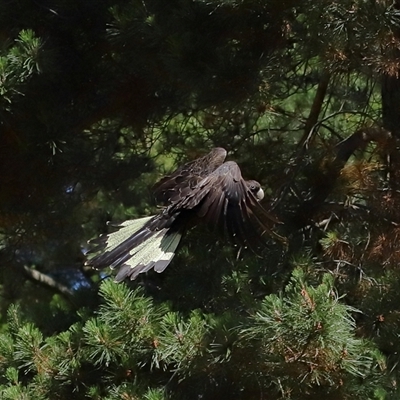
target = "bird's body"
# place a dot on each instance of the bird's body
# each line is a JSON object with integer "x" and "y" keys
{"x": 207, "y": 189}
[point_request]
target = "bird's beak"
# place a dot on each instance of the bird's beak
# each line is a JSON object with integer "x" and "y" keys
{"x": 260, "y": 194}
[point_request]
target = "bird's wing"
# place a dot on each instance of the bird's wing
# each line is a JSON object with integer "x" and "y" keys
{"x": 179, "y": 184}
{"x": 226, "y": 201}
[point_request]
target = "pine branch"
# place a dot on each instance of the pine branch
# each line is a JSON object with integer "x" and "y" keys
{"x": 325, "y": 185}
{"x": 316, "y": 107}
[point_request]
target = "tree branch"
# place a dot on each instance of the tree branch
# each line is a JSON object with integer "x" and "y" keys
{"x": 49, "y": 282}
{"x": 328, "y": 177}
{"x": 316, "y": 107}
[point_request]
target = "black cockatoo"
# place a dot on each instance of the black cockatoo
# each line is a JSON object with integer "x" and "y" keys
{"x": 207, "y": 189}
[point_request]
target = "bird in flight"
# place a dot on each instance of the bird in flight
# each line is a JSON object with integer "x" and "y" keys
{"x": 208, "y": 189}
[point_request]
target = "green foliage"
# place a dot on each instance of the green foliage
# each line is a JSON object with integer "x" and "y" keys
{"x": 123, "y": 332}
{"x": 303, "y": 332}
{"x": 180, "y": 342}
{"x": 19, "y": 64}
{"x": 308, "y": 333}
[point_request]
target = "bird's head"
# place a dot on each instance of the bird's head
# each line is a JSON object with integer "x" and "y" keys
{"x": 256, "y": 189}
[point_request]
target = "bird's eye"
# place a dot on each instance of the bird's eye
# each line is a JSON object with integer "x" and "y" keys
{"x": 254, "y": 188}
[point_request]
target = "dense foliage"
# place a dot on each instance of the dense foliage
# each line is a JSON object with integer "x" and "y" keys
{"x": 100, "y": 99}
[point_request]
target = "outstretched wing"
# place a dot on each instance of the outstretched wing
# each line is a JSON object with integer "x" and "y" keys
{"x": 180, "y": 183}
{"x": 226, "y": 201}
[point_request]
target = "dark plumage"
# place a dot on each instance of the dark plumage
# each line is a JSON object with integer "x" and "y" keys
{"x": 207, "y": 189}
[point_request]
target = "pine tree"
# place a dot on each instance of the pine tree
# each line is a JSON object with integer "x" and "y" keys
{"x": 98, "y": 100}
{"x": 299, "y": 343}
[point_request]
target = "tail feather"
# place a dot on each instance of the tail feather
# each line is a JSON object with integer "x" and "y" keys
{"x": 157, "y": 252}
{"x": 116, "y": 245}
{"x": 134, "y": 249}
{"x": 168, "y": 246}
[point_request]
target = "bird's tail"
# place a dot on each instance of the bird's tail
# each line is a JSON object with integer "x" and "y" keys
{"x": 134, "y": 249}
